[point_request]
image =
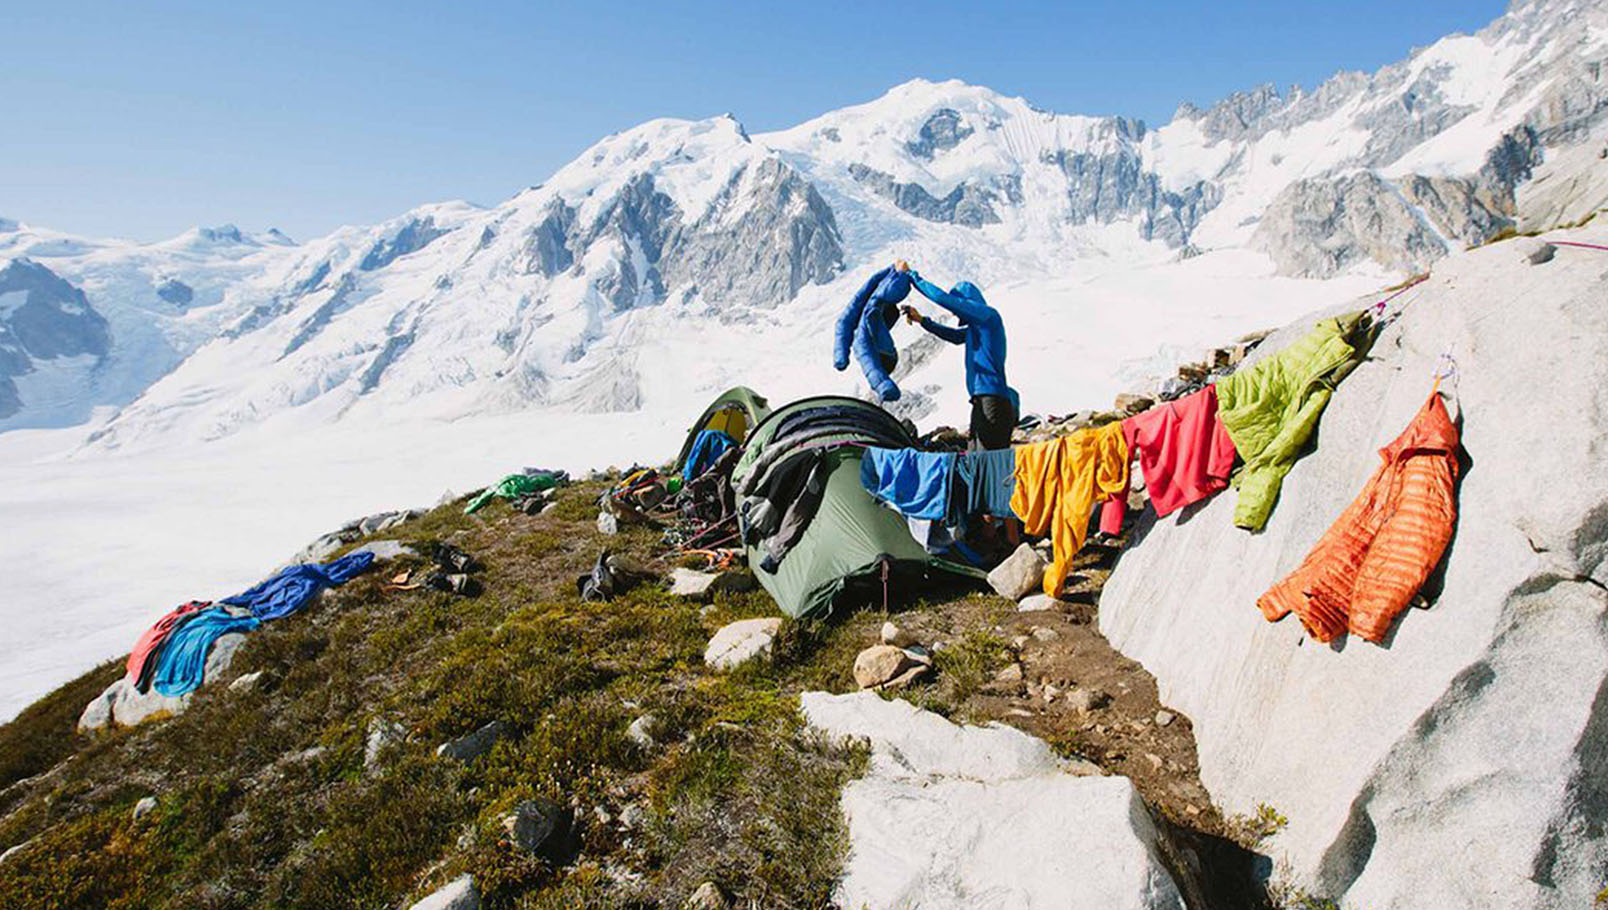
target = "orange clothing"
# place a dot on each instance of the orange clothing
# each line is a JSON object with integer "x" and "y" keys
{"x": 1372, "y": 561}
{"x": 1057, "y": 484}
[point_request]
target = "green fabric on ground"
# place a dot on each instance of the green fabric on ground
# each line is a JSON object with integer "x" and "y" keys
{"x": 512, "y": 487}
{"x": 1271, "y": 408}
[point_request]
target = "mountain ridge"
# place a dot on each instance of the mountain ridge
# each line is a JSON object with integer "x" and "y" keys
{"x": 697, "y": 226}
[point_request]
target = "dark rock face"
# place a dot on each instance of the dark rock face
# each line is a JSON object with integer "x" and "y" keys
{"x": 943, "y": 131}
{"x": 176, "y": 292}
{"x": 546, "y": 249}
{"x": 782, "y": 227}
{"x": 414, "y": 236}
{"x": 785, "y": 229}
{"x": 968, "y": 204}
{"x": 1318, "y": 227}
{"x": 339, "y": 302}
{"x": 394, "y": 346}
{"x": 42, "y": 317}
{"x": 1111, "y": 186}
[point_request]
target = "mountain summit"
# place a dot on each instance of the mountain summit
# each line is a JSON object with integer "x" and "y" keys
{"x": 571, "y": 293}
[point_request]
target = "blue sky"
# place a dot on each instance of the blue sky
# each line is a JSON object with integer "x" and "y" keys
{"x": 140, "y": 120}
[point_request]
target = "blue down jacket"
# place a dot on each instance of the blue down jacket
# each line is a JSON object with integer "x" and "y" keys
{"x": 981, "y": 331}
{"x": 864, "y": 327}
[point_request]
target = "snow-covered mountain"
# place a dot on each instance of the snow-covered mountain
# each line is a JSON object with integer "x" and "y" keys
{"x": 679, "y": 256}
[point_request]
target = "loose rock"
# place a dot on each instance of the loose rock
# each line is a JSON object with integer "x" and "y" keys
{"x": 1163, "y": 718}
{"x": 1085, "y": 700}
{"x": 1039, "y": 601}
{"x": 1044, "y": 633}
{"x": 1536, "y": 252}
{"x": 697, "y": 585}
{"x": 641, "y": 731}
{"x": 1018, "y": 575}
{"x": 381, "y": 733}
{"x": 893, "y": 635}
{"x": 882, "y": 666}
{"x": 144, "y": 807}
{"x": 538, "y": 826}
{"x": 707, "y": 897}
{"x": 246, "y": 681}
{"x": 458, "y": 894}
{"x": 474, "y": 744}
{"x": 739, "y": 642}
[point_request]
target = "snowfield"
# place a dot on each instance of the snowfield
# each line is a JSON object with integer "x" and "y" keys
{"x": 104, "y": 542}
{"x": 178, "y": 418}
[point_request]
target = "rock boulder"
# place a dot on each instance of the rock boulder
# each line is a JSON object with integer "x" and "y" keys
{"x": 949, "y": 815}
{"x": 1461, "y": 763}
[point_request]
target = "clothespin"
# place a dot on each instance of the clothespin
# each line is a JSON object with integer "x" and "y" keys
{"x": 1449, "y": 371}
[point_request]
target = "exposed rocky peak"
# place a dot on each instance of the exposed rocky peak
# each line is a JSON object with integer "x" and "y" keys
{"x": 1237, "y": 115}
{"x": 42, "y": 317}
{"x": 48, "y": 317}
{"x": 968, "y": 204}
{"x": 415, "y": 234}
{"x": 547, "y": 249}
{"x": 768, "y": 225}
{"x": 1115, "y": 186}
{"x": 174, "y": 291}
{"x": 943, "y": 131}
{"x": 1321, "y": 226}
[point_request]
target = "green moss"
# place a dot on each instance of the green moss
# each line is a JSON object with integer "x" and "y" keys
{"x": 46, "y": 731}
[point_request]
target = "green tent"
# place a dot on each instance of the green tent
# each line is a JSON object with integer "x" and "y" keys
{"x": 736, "y": 412}
{"x": 853, "y": 539}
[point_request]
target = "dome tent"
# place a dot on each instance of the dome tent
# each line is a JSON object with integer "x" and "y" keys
{"x": 852, "y": 540}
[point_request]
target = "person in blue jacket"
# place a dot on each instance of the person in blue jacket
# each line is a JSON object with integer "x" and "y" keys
{"x": 864, "y": 326}
{"x": 994, "y": 402}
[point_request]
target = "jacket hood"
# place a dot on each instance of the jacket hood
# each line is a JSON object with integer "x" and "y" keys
{"x": 969, "y": 291}
{"x": 1432, "y": 430}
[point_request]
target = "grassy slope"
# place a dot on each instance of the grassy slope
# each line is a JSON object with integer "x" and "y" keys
{"x": 263, "y": 795}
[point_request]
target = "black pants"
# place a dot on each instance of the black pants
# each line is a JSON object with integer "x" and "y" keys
{"x": 993, "y": 418}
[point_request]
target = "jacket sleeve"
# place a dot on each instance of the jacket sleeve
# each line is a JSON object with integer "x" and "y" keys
{"x": 960, "y": 306}
{"x": 866, "y": 352}
{"x": 947, "y": 332}
{"x": 1264, "y": 474}
{"x": 848, "y": 323}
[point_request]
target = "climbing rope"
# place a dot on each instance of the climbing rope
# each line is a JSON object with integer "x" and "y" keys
{"x": 1584, "y": 246}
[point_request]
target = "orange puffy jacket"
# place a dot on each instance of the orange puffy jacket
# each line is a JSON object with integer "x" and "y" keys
{"x": 1372, "y": 561}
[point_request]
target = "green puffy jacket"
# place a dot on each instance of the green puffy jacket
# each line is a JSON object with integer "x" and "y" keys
{"x": 1271, "y": 408}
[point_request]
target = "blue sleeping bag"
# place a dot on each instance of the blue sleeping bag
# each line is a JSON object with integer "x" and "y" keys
{"x": 292, "y": 588}
{"x": 182, "y": 665}
{"x": 864, "y": 326}
{"x": 707, "y": 447}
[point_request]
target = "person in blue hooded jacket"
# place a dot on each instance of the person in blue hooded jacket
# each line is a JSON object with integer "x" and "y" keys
{"x": 864, "y": 327}
{"x": 994, "y": 402}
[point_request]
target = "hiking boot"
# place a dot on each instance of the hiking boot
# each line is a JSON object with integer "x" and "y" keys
{"x": 452, "y": 559}
{"x": 459, "y": 584}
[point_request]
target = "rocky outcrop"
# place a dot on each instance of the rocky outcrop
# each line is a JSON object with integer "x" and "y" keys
{"x": 943, "y": 131}
{"x": 42, "y": 317}
{"x": 1108, "y": 186}
{"x": 739, "y": 642}
{"x": 411, "y": 237}
{"x": 768, "y": 234}
{"x": 124, "y": 705}
{"x": 968, "y": 204}
{"x": 1320, "y": 226}
{"x": 1462, "y": 762}
{"x": 959, "y": 817}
